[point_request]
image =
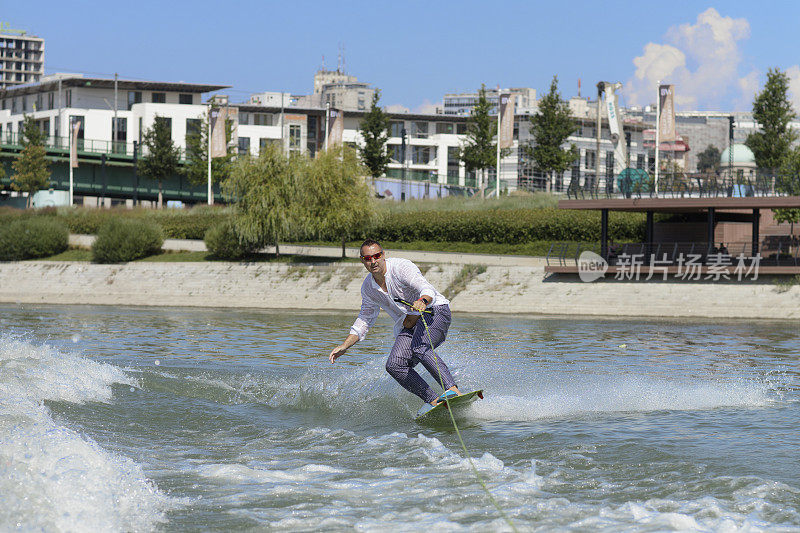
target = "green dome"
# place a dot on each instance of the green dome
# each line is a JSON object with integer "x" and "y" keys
{"x": 742, "y": 155}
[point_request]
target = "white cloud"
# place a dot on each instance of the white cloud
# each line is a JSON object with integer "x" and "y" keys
{"x": 701, "y": 59}
{"x": 794, "y": 86}
{"x": 426, "y": 107}
{"x": 396, "y": 108}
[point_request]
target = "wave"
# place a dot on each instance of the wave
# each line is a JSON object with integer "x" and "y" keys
{"x": 51, "y": 477}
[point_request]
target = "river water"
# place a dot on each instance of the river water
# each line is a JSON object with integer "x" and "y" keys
{"x": 176, "y": 419}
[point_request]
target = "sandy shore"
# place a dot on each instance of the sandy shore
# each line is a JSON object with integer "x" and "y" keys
{"x": 500, "y": 289}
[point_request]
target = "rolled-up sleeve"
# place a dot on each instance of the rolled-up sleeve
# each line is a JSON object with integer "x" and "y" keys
{"x": 366, "y": 317}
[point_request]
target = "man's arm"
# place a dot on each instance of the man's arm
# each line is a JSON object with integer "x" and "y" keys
{"x": 339, "y": 350}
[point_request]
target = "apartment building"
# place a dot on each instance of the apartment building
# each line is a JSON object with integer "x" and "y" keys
{"x": 21, "y": 58}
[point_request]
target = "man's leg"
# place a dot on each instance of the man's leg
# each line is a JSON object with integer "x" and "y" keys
{"x": 438, "y": 325}
{"x": 401, "y": 367}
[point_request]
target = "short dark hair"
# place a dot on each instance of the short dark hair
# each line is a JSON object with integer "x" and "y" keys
{"x": 369, "y": 242}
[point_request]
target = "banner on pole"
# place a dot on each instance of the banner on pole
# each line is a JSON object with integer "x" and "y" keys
{"x": 666, "y": 120}
{"x": 218, "y": 117}
{"x": 336, "y": 124}
{"x": 506, "y": 118}
{"x": 73, "y": 149}
{"x": 611, "y": 107}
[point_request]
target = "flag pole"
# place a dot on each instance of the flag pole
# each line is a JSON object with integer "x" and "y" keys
{"x": 658, "y": 123}
{"x": 210, "y": 200}
{"x": 70, "y": 164}
{"x": 499, "y": 118}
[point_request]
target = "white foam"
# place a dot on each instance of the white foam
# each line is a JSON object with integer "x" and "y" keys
{"x": 606, "y": 394}
{"x": 52, "y": 478}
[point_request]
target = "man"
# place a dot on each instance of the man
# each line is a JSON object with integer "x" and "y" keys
{"x": 390, "y": 279}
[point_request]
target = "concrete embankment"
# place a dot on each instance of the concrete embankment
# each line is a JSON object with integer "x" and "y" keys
{"x": 497, "y": 289}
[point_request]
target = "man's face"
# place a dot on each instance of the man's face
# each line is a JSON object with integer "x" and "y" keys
{"x": 373, "y": 258}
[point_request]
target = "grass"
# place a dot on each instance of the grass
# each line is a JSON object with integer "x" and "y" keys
{"x": 785, "y": 284}
{"x": 462, "y": 279}
{"x": 70, "y": 254}
{"x": 533, "y": 248}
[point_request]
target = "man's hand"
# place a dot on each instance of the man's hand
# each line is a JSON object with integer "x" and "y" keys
{"x": 337, "y": 352}
{"x": 419, "y": 305}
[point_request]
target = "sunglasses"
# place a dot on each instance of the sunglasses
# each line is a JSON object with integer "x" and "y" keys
{"x": 369, "y": 258}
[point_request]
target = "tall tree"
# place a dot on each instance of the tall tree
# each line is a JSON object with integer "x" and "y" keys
{"x": 375, "y": 130}
{"x": 196, "y": 168}
{"x": 551, "y": 126}
{"x": 265, "y": 189}
{"x": 773, "y": 111}
{"x": 162, "y": 157}
{"x": 788, "y": 182}
{"x": 708, "y": 159}
{"x": 336, "y": 199}
{"x": 31, "y": 169}
{"x": 479, "y": 152}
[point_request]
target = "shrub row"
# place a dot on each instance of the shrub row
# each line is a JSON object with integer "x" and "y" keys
{"x": 507, "y": 226}
{"x": 223, "y": 242}
{"x": 126, "y": 239}
{"x": 176, "y": 224}
{"x": 28, "y": 238}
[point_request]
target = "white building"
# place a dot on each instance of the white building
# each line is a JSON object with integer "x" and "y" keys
{"x": 21, "y": 58}
{"x": 463, "y": 103}
{"x": 62, "y": 99}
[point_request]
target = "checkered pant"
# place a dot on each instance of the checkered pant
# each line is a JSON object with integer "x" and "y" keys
{"x": 412, "y": 346}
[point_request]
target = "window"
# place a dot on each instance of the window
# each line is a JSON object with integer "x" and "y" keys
{"x": 311, "y": 125}
{"x": 294, "y": 137}
{"x": 262, "y": 119}
{"x": 121, "y": 135}
{"x": 395, "y": 152}
{"x": 56, "y": 126}
{"x": 193, "y": 126}
{"x": 68, "y": 97}
{"x": 609, "y": 164}
{"x": 24, "y": 103}
{"x": 141, "y": 130}
{"x": 244, "y": 145}
{"x": 5, "y": 103}
{"x": 51, "y": 100}
{"x": 640, "y": 161}
{"x": 444, "y": 127}
{"x": 361, "y": 104}
{"x": 422, "y": 155}
{"x": 396, "y": 129}
{"x": 461, "y": 128}
{"x": 419, "y": 130}
{"x": 134, "y": 97}
{"x": 244, "y": 119}
{"x": 185, "y": 99}
{"x": 158, "y": 98}
{"x": 591, "y": 160}
{"x": 13, "y": 106}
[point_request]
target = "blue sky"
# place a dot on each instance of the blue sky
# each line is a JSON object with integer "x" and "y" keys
{"x": 717, "y": 54}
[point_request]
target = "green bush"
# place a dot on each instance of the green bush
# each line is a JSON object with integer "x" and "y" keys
{"x": 126, "y": 239}
{"x": 509, "y": 226}
{"x": 27, "y": 238}
{"x": 223, "y": 242}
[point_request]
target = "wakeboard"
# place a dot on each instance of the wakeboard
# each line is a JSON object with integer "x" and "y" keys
{"x": 458, "y": 402}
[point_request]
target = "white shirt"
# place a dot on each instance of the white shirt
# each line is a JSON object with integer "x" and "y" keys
{"x": 404, "y": 280}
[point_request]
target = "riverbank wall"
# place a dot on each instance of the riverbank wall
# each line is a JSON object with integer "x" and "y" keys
{"x": 336, "y": 286}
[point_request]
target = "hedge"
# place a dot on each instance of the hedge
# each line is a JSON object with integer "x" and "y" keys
{"x": 126, "y": 239}
{"x": 506, "y": 226}
{"x": 28, "y": 238}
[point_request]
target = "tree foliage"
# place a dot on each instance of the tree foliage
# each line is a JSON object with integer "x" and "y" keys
{"x": 31, "y": 169}
{"x": 773, "y": 112}
{"x": 336, "y": 200}
{"x": 708, "y": 159}
{"x": 266, "y": 192}
{"x": 550, "y": 127}
{"x": 375, "y": 130}
{"x": 787, "y": 183}
{"x": 479, "y": 152}
{"x": 162, "y": 157}
{"x": 196, "y": 168}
